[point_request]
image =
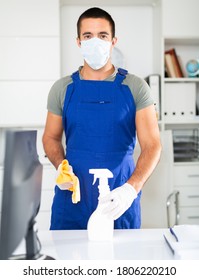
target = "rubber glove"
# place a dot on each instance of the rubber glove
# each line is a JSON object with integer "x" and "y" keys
{"x": 66, "y": 180}
{"x": 118, "y": 201}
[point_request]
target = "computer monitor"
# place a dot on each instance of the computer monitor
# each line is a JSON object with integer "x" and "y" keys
{"x": 21, "y": 195}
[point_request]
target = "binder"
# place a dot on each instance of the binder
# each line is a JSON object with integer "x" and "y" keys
{"x": 153, "y": 81}
{"x": 172, "y": 64}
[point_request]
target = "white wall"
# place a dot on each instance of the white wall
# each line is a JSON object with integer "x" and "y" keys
{"x": 134, "y": 30}
{"x": 29, "y": 59}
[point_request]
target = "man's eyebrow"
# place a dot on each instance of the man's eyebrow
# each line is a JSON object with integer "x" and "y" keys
{"x": 104, "y": 32}
{"x": 101, "y": 33}
{"x": 86, "y": 33}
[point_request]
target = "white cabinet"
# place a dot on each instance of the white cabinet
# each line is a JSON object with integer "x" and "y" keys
{"x": 180, "y": 32}
{"x": 186, "y": 182}
{"x": 186, "y": 174}
{"x": 183, "y": 110}
{"x": 180, "y": 106}
{"x": 180, "y": 95}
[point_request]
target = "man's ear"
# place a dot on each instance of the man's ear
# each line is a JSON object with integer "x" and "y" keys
{"x": 78, "y": 42}
{"x": 114, "y": 41}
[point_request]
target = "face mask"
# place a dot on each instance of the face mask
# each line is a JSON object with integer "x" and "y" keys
{"x": 96, "y": 52}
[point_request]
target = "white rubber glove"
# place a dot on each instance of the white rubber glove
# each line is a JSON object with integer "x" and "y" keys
{"x": 118, "y": 201}
{"x": 66, "y": 185}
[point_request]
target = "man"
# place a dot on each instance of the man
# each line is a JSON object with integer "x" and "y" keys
{"x": 102, "y": 110}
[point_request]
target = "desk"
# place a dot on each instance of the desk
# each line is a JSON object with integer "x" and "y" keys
{"x": 137, "y": 244}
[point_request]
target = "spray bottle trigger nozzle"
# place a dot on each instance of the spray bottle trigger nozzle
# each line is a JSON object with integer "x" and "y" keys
{"x": 101, "y": 174}
{"x": 94, "y": 179}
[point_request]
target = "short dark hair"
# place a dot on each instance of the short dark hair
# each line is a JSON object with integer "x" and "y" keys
{"x": 96, "y": 12}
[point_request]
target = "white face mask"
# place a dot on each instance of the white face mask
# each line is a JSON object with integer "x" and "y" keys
{"x": 96, "y": 52}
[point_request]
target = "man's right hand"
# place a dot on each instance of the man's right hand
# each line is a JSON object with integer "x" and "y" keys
{"x": 67, "y": 180}
{"x": 65, "y": 185}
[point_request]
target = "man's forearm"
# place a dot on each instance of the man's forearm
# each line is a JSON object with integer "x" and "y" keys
{"x": 146, "y": 163}
{"x": 54, "y": 151}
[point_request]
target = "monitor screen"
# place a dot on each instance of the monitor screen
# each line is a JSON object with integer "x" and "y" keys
{"x": 21, "y": 196}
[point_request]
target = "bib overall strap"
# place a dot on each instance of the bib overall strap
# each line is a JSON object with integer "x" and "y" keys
{"x": 69, "y": 92}
{"x": 75, "y": 76}
{"x": 121, "y": 75}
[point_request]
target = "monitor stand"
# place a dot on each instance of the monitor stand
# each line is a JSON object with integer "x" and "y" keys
{"x": 37, "y": 257}
{"x": 33, "y": 246}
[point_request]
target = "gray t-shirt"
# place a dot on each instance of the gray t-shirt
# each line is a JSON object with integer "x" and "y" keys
{"x": 139, "y": 88}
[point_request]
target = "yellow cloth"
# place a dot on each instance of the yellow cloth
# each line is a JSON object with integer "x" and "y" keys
{"x": 65, "y": 175}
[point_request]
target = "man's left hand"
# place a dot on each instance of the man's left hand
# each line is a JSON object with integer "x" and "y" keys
{"x": 118, "y": 201}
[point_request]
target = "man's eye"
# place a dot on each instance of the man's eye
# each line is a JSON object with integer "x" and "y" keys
{"x": 103, "y": 37}
{"x": 87, "y": 37}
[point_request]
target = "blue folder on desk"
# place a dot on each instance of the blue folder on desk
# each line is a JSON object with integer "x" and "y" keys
{"x": 183, "y": 241}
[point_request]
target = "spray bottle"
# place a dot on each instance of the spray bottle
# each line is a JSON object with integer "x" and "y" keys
{"x": 100, "y": 227}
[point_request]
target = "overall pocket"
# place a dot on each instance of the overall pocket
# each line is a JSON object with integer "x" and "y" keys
{"x": 95, "y": 118}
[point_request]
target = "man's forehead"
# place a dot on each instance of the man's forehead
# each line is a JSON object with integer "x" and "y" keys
{"x": 95, "y": 23}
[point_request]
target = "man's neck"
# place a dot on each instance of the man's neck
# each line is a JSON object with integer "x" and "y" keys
{"x": 88, "y": 73}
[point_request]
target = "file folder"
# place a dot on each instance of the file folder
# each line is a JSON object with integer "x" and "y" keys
{"x": 153, "y": 81}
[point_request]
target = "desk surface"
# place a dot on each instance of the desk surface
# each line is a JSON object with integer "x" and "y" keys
{"x": 139, "y": 244}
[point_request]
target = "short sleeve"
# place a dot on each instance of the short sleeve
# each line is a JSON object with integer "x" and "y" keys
{"x": 140, "y": 90}
{"x": 57, "y": 94}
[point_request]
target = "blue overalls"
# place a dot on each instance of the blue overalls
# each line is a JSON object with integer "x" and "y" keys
{"x": 99, "y": 123}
